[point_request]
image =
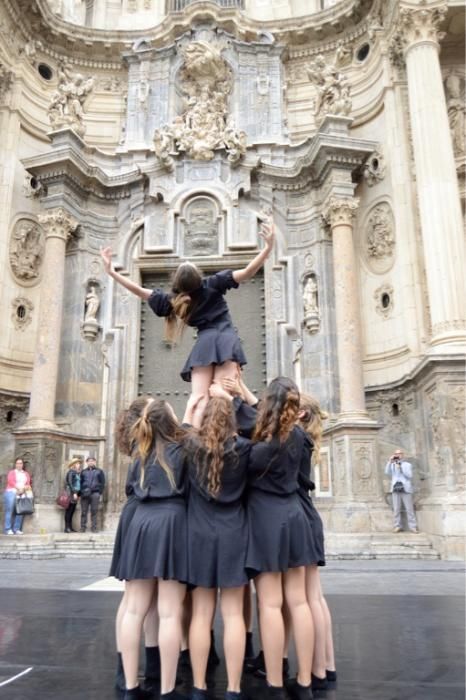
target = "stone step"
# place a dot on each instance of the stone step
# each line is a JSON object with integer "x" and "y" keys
{"x": 338, "y": 546}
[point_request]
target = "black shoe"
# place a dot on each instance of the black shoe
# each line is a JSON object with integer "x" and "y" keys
{"x": 120, "y": 683}
{"x": 138, "y": 693}
{"x": 318, "y": 683}
{"x": 172, "y": 695}
{"x": 258, "y": 666}
{"x": 67, "y": 530}
{"x": 73, "y": 530}
{"x": 276, "y": 693}
{"x": 232, "y": 695}
{"x": 198, "y": 694}
{"x": 213, "y": 659}
{"x": 249, "y": 649}
{"x": 184, "y": 662}
{"x": 285, "y": 670}
{"x": 297, "y": 691}
{"x": 93, "y": 529}
{"x": 331, "y": 676}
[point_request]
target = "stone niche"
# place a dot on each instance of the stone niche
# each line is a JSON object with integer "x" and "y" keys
{"x": 200, "y": 224}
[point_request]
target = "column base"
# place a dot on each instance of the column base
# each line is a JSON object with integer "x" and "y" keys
{"x": 39, "y": 424}
{"x": 450, "y": 340}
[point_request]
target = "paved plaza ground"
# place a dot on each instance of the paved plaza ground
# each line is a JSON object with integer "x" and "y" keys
{"x": 399, "y": 631}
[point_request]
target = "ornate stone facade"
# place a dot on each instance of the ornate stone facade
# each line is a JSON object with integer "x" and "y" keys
{"x": 164, "y": 135}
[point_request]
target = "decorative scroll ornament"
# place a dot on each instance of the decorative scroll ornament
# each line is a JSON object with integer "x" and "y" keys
{"x": 333, "y": 89}
{"x": 379, "y": 238}
{"x": 26, "y": 251}
{"x": 66, "y": 107}
{"x": 384, "y": 300}
{"x": 204, "y": 127}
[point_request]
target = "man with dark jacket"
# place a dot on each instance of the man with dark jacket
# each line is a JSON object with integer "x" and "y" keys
{"x": 92, "y": 487}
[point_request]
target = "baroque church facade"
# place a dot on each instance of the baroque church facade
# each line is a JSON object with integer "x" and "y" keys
{"x": 162, "y": 128}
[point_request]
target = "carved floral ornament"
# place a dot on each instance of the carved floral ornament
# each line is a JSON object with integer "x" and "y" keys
{"x": 58, "y": 223}
{"x": 204, "y": 126}
{"x": 379, "y": 238}
{"x": 26, "y": 251}
{"x": 340, "y": 211}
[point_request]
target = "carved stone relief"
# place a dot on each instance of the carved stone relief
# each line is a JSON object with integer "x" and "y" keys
{"x": 454, "y": 92}
{"x": 332, "y": 87}
{"x": 445, "y": 408}
{"x": 6, "y": 80}
{"x": 26, "y": 251}
{"x": 363, "y": 469}
{"x": 201, "y": 227}
{"x": 22, "y": 312}
{"x": 205, "y": 81}
{"x": 384, "y": 297}
{"x": 13, "y": 411}
{"x": 67, "y": 105}
{"x": 311, "y": 303}
{"x": 374, "y": 169}
{"x": 379, "y": 238}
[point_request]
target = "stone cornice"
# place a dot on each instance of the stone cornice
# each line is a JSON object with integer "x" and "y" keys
{"x": 34, "y": 20}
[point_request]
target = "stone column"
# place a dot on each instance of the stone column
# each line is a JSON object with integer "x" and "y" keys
{"x": 437, "y": 183}
{"x": 339, "y": 213}
{"x": 58, "y": 226}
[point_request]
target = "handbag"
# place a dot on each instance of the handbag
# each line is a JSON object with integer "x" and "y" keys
{"x": 63, "y": 500}
{"x": 24, "y": 505}
{"x": 398, "y": 487}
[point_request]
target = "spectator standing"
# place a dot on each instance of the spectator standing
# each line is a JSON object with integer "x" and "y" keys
{"x": 18, "y": 482}
{"x": 73, "y": 486}
{"x": 92, "y": 487}
{"x": 401, "y": 488}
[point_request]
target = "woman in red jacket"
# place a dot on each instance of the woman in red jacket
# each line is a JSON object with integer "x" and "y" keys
{"x": 18, "y": 482}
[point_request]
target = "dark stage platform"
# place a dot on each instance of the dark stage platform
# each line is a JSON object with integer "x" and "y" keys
{"x": 388, "y": 647}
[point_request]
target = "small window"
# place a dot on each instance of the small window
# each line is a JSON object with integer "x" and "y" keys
{"x": 21, "y": 311}
{"x": 395, "y": 410}
{"x": 45, "y": 71}
{"x": 363, "y": 52}
{"x": 385, "y": 300}
{"x": 9, "y": 416}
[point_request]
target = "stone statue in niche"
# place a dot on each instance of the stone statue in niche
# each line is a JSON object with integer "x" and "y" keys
{"x": 311, "y": 304}
{"x": 206, "y": 82}
{"x": 66, "y": 107}
{"x": 333, "y": 93}
{"x": 90, "y": 326}
{"x": 26, "y": 251}
{"x": 201, "y": 229}
{"x": 456, "y": 112}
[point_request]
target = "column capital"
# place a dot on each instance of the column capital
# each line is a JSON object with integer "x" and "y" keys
{"x": 58, "y": 223}
{"x": 419, "y": 22}
{"x": 340, "y": 210}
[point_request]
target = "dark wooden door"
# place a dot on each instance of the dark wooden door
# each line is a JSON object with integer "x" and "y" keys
{"x": 160, "y": 365}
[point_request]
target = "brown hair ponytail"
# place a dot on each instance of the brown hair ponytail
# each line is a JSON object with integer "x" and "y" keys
{"x": 278, "y": 411}
{"x": 186, "y": 279}
{"x": 312, "y": 421}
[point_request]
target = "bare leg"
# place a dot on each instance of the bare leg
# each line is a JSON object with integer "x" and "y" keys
{"x": 170, "y": 606}
{"x": 119, "y": 617}
{"x": 234, "y": 634}
{"x": 247, "y": 607}
{"x": 203, "y": 610}
{"x": 315, "y": 602}
{"x": 151, "y": 623}
{"x": 201, "y": 379}
{"x": 186, "y": 620}
{"x": 139, "y": 597}
{"x": 270, "y": 597}
{"x": 228, "y": 370}
{"x": 301, "y": 620}
{"x": 329, "y": 650}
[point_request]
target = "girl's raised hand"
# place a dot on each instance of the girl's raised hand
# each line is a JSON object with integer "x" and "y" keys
{"x": 267, "y": 233}
{"x": 106, "y": 255}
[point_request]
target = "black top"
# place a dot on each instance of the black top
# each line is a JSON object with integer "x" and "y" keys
{"x": 92, "y": 480}
{"x": 246, "y": 416}
{"x": 156, "y": 482}
{"x": 209, "y": 306}
{"x": 73, "y": 481}
{"x": 305, "y": 482}
{"x": 274, "y": 467}
{"x": 233, "y": 479}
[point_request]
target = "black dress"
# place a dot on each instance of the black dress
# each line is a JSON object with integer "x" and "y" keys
{"x": 155, "y": 544}
{"x": 217, "y": 340}
{"x": 126, "y": 516}
{"x": 280, "y": 535}
{"x": 306, "y": 485}
{"x": 217, "y": 527}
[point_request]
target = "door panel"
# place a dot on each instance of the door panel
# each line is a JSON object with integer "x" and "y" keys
{"x": 160, "y": 365}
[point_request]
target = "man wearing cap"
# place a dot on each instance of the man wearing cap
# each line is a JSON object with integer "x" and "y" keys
{"x": 92, "y": 487}
{"x": 401, "y": 488}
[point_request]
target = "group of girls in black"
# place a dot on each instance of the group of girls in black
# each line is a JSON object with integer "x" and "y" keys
{"x": 216, "y": 502}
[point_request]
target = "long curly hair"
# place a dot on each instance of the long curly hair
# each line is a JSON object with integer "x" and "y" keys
{"x": 124, "y": 422}
{"x": 187, "y": 279}
{"x": 311, "y": 417}
{"x": 211, "y": 444}
{"x": 278, "y": 411}
{"x": 156, "y": 427}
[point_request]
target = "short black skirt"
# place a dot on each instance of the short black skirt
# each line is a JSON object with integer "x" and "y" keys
{"x": 214, "y": 346}
{"x": 217, "y": 543}
{"x": 126, "y": 516}
{"x": 156, "y": 542}
{"x": 280, "y": 536}
{"x": 317, "y": 526}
